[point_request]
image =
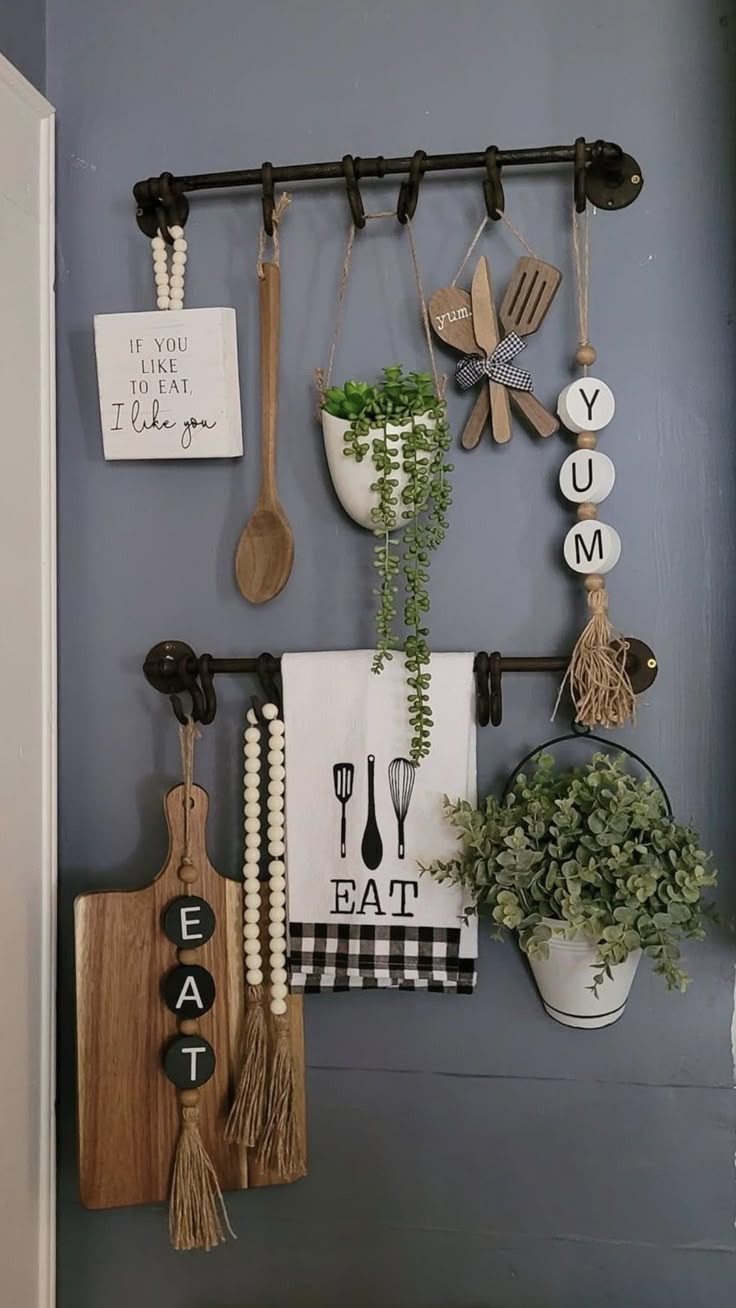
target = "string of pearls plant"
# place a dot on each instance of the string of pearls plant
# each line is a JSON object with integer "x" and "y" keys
{"x": 169, "y": 280}
{"x": 278, "y": 980}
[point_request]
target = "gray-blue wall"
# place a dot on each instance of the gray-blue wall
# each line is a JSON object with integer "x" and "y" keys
{"x": 463, "y": 1152}
{"x": 23, "y": 37}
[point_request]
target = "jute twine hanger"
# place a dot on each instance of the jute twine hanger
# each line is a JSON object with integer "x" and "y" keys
{"x": 322, "y": 377}
{"x": 481, "y": 228}
{"x": 282, "y": 205}
{"x": 197, "y": 1214}
{"x": 600, "y": 686}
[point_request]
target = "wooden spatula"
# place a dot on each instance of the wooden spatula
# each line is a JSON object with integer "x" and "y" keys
{"x": 485, "y": 328}
{"x": 265, "y": 551}
{"x": 529, "y": 294}
{"x": 451, "y": 315}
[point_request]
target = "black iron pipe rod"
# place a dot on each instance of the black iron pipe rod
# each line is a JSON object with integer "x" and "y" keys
{"x": 250, "y": 666}
{"x": 376, "y": 166}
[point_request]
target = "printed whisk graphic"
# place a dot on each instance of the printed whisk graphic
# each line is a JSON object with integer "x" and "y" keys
{"x": 401, "y": 777}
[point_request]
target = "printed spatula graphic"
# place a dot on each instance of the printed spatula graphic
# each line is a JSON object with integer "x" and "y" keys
{"x": 342, "y": 776}
{"x": 485, "y": 328}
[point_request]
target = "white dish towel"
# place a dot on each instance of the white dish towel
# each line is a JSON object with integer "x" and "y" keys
{"x": 361, "y": 915}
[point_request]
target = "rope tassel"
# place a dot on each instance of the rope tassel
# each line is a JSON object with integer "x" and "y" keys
{"x": 245, "y": 1122}
{"x": 197, "y": 1215}
{"x": 600, "y": 686}
{"x": 281, "y": 1148}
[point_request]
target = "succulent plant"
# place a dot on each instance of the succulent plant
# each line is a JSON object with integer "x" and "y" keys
{"x": 419, "y": 452}
{"x": 593, "y": 847}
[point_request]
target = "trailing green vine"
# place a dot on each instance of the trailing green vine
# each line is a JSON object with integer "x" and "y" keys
{"x": 416, "y": 446}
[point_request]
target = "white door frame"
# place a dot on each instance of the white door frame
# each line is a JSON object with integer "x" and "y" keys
{"x": 34, "y": 739}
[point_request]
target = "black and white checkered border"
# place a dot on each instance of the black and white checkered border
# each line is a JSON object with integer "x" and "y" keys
{"x": 342, "y": 956}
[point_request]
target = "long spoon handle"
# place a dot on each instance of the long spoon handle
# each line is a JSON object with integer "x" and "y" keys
{"x": 270, "y": 311}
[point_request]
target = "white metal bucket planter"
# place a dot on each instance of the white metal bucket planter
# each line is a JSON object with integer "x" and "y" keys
{"x": 352, "y": 480}
{"x": 563, "y": 981}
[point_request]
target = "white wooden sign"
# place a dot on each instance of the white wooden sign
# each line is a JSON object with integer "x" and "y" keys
{"x": 168, "y": 384}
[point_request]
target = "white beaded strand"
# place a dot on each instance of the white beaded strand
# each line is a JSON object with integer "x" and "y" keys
{"x": 251, "y": 883}
{"x": 252, "y": 818}
{"x": 169, "y": 281}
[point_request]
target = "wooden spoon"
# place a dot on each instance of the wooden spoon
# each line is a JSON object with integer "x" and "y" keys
{"x": 265, "y": 551}
{"x": 453, "y": 303}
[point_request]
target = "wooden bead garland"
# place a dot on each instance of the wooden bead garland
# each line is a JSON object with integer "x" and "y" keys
{"x": 263, "y": 1113}
{"x": 600, "y": 687}
{"x": 169, "y": 281}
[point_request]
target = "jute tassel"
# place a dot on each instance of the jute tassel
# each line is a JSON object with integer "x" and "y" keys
{"x": 281, "y": 1148}
{"x": 600, "y": 686}
{"x": 196, "y": 1207}
{"x": 245, "y": 1123}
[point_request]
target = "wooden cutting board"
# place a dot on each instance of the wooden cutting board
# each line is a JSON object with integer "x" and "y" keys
{"x": 128, "y": 1109}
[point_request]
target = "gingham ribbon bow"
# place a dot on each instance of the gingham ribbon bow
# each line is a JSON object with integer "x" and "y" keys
{"x": 496, "y": 366}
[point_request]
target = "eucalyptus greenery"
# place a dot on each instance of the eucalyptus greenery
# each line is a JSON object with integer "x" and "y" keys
{"x": 419, "y": 451}
{"x": 594, "y": 848}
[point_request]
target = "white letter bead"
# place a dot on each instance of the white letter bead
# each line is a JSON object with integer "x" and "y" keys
{"x": 278, "y": 990}
{"x": 251, "y": 915}
{"x": 592, "y": 546}
{"x": 277, "y": 898}
{"x": 276, "y": 930}
{"x": 587, "y": 404}
{"x": 277, "y": 958}
{"x": 275, "y": 787}
{"x": 270, "y": 712}
{"x": 277, "y": 773}
{"x": 587, "y": 476}
{"x": 279, "y": 976}
{"x": 253, "y": 900}
{"x": 277, "y": 847}
{"x": 254, "y": 976}
{"x": 278, "y": 1007}
{"x": 276, "y": 914}
{"x": 251, "y": 947}
{"x": 277, "y": 867}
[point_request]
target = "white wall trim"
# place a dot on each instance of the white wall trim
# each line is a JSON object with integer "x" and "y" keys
{"x": 44, "y": 112}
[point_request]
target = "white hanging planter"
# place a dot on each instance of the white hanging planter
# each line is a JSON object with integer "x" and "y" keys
{"x": 352, "y": 480}
{"x": 563, "y": 978}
